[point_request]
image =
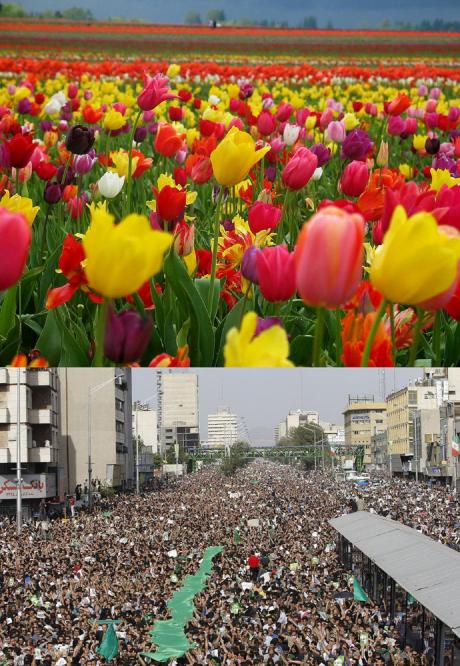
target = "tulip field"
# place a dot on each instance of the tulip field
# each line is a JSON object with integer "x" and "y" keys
{"x": 245, "y": 211}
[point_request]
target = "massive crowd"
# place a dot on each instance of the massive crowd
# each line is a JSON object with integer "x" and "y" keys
{"x": 126, "y": 560}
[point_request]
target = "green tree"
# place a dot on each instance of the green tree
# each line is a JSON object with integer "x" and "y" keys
{"x": 217, "y": 15}
{"x": 12, "y": 9}
{"x": 310, "y": 23}
{"x": 192, "y": 18}
{"x": 236, "y": 458}
{"x": 304, "y": 437}
{"x": 78, "y": 14}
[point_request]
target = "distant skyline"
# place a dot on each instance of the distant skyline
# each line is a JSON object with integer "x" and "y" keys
{"x": 354, "y": 13}
{"x": 264, "y": 396}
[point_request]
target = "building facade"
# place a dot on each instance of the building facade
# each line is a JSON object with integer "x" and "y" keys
{"x": 145, "y": 424}
{"x": 29, "y": 398}
{"x": 100, "y": 402}
{"x": 295, "y": 419}
{"x": 363, "y": 418}
{"x": 178, "y": 413}
{"x": 222, "y": 428}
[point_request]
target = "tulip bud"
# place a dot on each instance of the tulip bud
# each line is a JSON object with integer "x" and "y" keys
{"x": 140, "y": 134}
{"x": 52, "y": 193}
{"x": 184, "y": 241}
{"x": 276, "y": 273}
{"x": 15, "y": 239}
{"x": 110, "y": 184}
{"x": 382, "y": 155}
{"x": 127, "y": 335}
{"x": 299, "y": 169}
{"x": 432, "y": 146}
{"x": 263, "y": 216}
{"x": 249, "y": 264}
{"x": 290, "y": 134}
{"x": 354, "y": 179}
{"x": 79, "y": 139}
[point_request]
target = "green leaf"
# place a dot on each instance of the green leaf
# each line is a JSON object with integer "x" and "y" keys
{"x": 301, "y": 350}
{"x": 201, "y": 331}
{"x": 232, "y": 319}
{"x": 183, "y": 333}
{"x": 10, "y": 346}
{"x": 49, "y": 342}
{"x": 74, "y": 344}
{"x": 203, "y": 286}
{"x": 8, "y": 311}
{"x": 423, "y": 363}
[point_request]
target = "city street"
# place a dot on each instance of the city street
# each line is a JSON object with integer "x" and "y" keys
{"x": 292, "y": 603}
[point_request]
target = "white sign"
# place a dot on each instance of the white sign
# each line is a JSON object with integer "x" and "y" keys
{"x": 253, "y": 522}
{"x": 34, "y": 486}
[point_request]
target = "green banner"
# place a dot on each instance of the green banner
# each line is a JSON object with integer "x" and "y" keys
{"x": 109, "y": 644}
{"x": 169, "y": 635}
{"x": 236, "y": 537}
{"x": 358, "y": 592}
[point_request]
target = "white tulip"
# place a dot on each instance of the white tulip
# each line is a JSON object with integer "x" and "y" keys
{"x": 214, "y": 100}
{"x": 110, "y": 184}
{"x": 318, "y": 172}
{"x": 55, "y": 104}
{"x": 290, "y": 134}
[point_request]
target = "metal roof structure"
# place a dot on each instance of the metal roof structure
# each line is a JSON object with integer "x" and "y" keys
{"x": 428, "y": 570}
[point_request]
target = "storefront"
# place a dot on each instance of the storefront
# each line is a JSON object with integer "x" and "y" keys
{"x": 415, "y": 578}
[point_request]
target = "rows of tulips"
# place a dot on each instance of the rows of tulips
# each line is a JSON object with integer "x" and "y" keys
{"x": 176, "y": 222}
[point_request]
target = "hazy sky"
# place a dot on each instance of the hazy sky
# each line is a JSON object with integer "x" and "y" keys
{"x": 352, "y": 13}
{"x": 264, "y": 397}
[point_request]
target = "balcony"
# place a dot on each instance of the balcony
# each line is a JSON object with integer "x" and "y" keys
{"x": 4, "y": 376}
{"x": 119, "y": 415}
{"x": 5, "y": 415}
{"x": 5, "y": 456}
{"x": 120, "y": 437}
{"x": 39, "y": 378}
{"x": 41, "y": 417}
{"x": 43, "y": 454}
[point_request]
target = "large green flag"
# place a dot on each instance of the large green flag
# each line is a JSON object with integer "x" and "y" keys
{"x": 358, "y": 592}
{"x": 109, "y": 644}
{"x": 236, "y": 537}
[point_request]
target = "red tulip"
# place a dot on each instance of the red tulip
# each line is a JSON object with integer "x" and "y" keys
{"x": 276, "y": 273}
{"x": 263, "y": 216}
{"x": 167, "y": 140}
{"x": 299, "y": 169}
{"x": 15, "y": 239}
{"x": 266, "y": 123}
{"x": 20, "y": 149}
{"x": 354, "y": 179}
{"x": 329, "y": 257}
{"x": 171, "y": 203}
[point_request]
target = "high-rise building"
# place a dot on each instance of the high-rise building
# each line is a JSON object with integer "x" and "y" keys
{"x": 364, "y": 418}
{"x": 34, "y": 392}
{"x": 295, "y": 419}
{"x": 178, "y": 415}
{"x": 222, "y": 428}
{"x": 108, "y": 390}
{"x": 145, "y": 424}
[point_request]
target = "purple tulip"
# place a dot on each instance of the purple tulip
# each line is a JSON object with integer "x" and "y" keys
{"x": 322, "y": 153}
{"x": 84, "y": 163}
{"x": 249, "y": 264}
{"x": 52, "y": 193}
{"x": 127, "y": 335}
{"x": 356, "y": 145}
{"x": 442, "y": 161}
{"x": 69, "y": 174}
{"x": 140, "y": 134}
{"x": 264, "y": 324}
{"x": 24, "y": 106}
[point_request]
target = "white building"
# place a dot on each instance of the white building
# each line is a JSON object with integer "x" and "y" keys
{"x": 178, "y": 415}
{"x": 295, "y": 419}
{"x": 110, "y": 422}
{"x": 145, "y": 424}
{"x": 222, "y": 428}
{"x": 36, "y": 396}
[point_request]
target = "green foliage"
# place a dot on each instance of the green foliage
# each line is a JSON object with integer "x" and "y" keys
{"x": 107, "y": 490}
{"x": 305, "y": 437}
{"x": 77, "y": 14}
{"x": 237, "y": 458}
{"x": 12, "y": 9}
{"x": 192, "y": 18}
{"x": 310, "y": 23}
{"x": 217, "y": 15}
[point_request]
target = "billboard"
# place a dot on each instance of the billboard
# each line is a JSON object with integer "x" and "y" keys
{"x": 34, "y": 486}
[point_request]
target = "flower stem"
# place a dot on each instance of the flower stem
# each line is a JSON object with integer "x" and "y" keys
{"x": 370, "y": 340}
{"x": 214, "y": 251}
{"x": 338, "y": 339}
{"x": 437, "y": 338}
{"x": 319, "y": 335}
{"x": 393, "y": 331}
{"x": 415, "y": 344}
{"x": 130, "y": 161}
{"x": 101, "y": 318}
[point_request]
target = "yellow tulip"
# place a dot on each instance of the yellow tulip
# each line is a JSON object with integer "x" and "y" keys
{"x": 417, "y": 260}
{"x": 269, "y": 349}
{"x": 120, "y": 158}
{"x": 120, "y": 258}
{"x": 419, "y": 141}
{"x": 440, "y": 177}
{"x": 114, "y": 120}
{"x": 235, "y": 156}
{"x": 18, "y": 204}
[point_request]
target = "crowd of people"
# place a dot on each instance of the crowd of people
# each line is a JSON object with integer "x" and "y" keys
{"x": 277, "y": 594}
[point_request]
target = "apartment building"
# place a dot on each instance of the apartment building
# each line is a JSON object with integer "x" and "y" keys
{"x": 363, "y": 417}
{"x": 178, "y": 414}
{"x": 222, "y": 428}
{"x": 29, "y": 405}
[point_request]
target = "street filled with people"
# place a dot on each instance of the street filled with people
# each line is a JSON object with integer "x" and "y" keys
{"x": 277, "y": 594}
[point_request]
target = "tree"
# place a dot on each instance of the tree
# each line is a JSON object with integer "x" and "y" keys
{"x": 217, "y": 15}
{"x": 305, "y": 437}
{"x": 310, "y": 23}
{"x": 12, "y": 10}
{"x": 192, "y": 18}
{"x": 78, "y": 14}
{"x": 237, "y": 457}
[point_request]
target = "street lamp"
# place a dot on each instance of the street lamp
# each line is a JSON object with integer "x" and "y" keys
{"x": 18, "y": 454}
{"x": 91, "y": 391}
{"x": 143, "y": 402}
{"x": 313, "y": 430}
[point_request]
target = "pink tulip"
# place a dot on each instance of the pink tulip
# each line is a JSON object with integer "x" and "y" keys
{"x": 299, "y": 169}
{"x": 354, "y": 179}
{"x": 336, "y": 131}
{"x": 276, "y": 273}
{"x": 329, "y": 257}
{"x": 155, "y": 91}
